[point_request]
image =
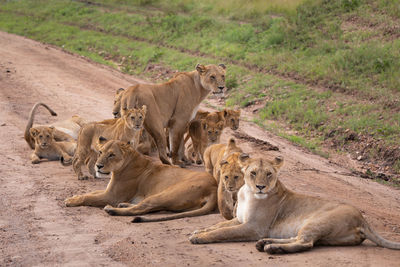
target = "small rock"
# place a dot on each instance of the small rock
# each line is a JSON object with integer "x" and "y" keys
{"x": 359, "y": 157}
{"x": 4, "y": 124}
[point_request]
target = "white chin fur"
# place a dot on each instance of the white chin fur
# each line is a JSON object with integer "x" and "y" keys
{"x": 101, "y": 175}
{"x": 261, "y": 196}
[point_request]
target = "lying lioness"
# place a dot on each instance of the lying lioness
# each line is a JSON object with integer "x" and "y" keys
{"x": 149, "y": 186}
{"x": 288, "y": 222}
{"x": 46, "y": 146}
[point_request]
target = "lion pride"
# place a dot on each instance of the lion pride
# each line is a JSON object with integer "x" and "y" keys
{"x": 174, "y": 104}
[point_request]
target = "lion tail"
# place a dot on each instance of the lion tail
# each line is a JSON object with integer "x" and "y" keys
{"x": 205, "y": 209}
{"x": 27, "y": 134}
{"x": 376, "y": 238}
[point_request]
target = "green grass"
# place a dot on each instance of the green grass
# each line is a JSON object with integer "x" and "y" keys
{"x": 316, "y": 64}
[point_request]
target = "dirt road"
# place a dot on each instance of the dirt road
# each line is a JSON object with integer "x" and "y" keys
{"x": 37, "y": 229}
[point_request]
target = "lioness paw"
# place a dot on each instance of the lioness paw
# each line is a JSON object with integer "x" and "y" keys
{"x": 196, "y": 239}
{"x": 110, "y": 210}
{"x": 260, "y": 245}
{"x": 273, "y": 249}
{"x": 72, "y": 201}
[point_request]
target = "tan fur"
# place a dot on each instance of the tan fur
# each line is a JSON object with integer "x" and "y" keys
{"x": 148, "y": 186}
{"x": 47, "y": 148}
{"x": 229, "y": 116}
{"x": 203, "y": 134}
{"x": 127, "y": 128}
{"x": 286, "y": 221}
{"x": 224, "y": 162}
{"x": 63, "y": 130}
{"x": 173, "y": 104}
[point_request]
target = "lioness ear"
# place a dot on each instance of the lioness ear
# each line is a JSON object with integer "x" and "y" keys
{"x": 102, "y": 140}
{"x": 120, "y": 90}
{"x": 201, "y": 68}
{"x": 220, "y": 125}
{"x": 231, "y": 142}
{"x": 225, "y": 113}
{"x": 277, "y": 163}
{"x": 128, "y": 143}
{"x": 223, "y": 162}
{"x": 204, "y": 124}
{"x": 33, "y": 132}
{"x": 144, "y": 109}
{"x": 51, "y": 128}
{"x": 222, "y": 66}
{"x": 243, "y": 157}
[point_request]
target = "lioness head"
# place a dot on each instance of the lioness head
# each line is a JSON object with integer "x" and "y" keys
{"x": 117, "y": 103}
{"x": 43, "y": 136}
{"x": 260, "y": 175}
{"x": 232, "y": 118}
{"x": 212, "y": 77}
{"x": 213, "y": 130}
{"x": 134, "y": 118}
{"x": 111, "y": 156}
{"x": 231, "y": 174}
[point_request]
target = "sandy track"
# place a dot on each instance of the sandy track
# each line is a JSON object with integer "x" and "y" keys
{"x": 37, "y": 229}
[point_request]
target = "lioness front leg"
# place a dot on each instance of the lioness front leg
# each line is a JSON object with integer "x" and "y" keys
{"x": 241, "y": 232}
{"x": 177, "y": 138}
{"x": 34, "y": 158}
{"x": 232, "y": 222}
{"x": 265, "y": 241}
{"x": 97, "y": 199}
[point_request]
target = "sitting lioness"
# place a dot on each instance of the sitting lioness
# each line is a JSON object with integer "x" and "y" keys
{"x": 203, "y": 134}
{"x": 286, "y": 221}
{"x": 174, "y": 104}
{"x": 63, "y": 130}
{"x": 127, "y": 128}
{"x": 225, "y": 163}
{"x": 46, "y": 146}
{"x": 148, "y": 186}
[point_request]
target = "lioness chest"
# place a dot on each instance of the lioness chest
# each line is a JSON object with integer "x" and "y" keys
{"x": 246, "y": 206}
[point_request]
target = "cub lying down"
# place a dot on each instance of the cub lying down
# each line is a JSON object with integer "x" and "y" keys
{"x": 286, "y": 221}
{"x": 46, "y": 146}
{"x": 148, "y": 186}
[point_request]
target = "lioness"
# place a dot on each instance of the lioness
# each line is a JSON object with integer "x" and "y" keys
{"x": 214, "y": 154}
{"x": 203, "y": 134}
{"x": 117, "y": 103}
{"x": 63, "y": 130}
{"x": 174, "y": 104}
{"x": 46, "y": 147}
{"x": 288, "y": 222}
{"x": 150, "y": 186}
{"x": 229, "y": 116}
{"x": 225, "y": 163}
{"x": 126, "y": 128}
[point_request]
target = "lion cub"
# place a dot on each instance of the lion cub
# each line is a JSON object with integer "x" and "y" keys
{"x": 127, "y": 128}
{"x": 229, "y": 116}
{"x": 288, "y": 222}
{"x": 203, "y": 133}
{"x": 224, "y": 163}
{"x": 46, "y": 146}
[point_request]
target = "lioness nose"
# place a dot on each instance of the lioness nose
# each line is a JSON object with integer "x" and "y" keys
{"x": 261, "y": 187}
{"x": 221, "y": 87}
{"x": 99, "y": 166}
{"x": 115, "y": 113}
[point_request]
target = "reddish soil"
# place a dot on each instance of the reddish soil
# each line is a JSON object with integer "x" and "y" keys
{"x": 37, "y": 229}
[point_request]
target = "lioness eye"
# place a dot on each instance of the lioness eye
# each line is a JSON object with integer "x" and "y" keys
{"x": 223, "y": 77}
{"x": 132, "y": 118}
{"x": 40, "y": 136}
{"x": 140, "y": 117}
{"x": 209, "y": 132}
{"x": 216, "y": 132}
{"x": 212, "y": 77}
{"x": 269, "y": 174}
{"x": 236, "y": 177}
{"x": 111, "y": 155}
{"x": 226, "y": 177}
{"x": 47, "y": 136}
{"x": 253, "y": 173}
{"x": 100, "y": 152}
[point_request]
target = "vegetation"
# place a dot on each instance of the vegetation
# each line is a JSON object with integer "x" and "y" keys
{"x": 318, "y": 66}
